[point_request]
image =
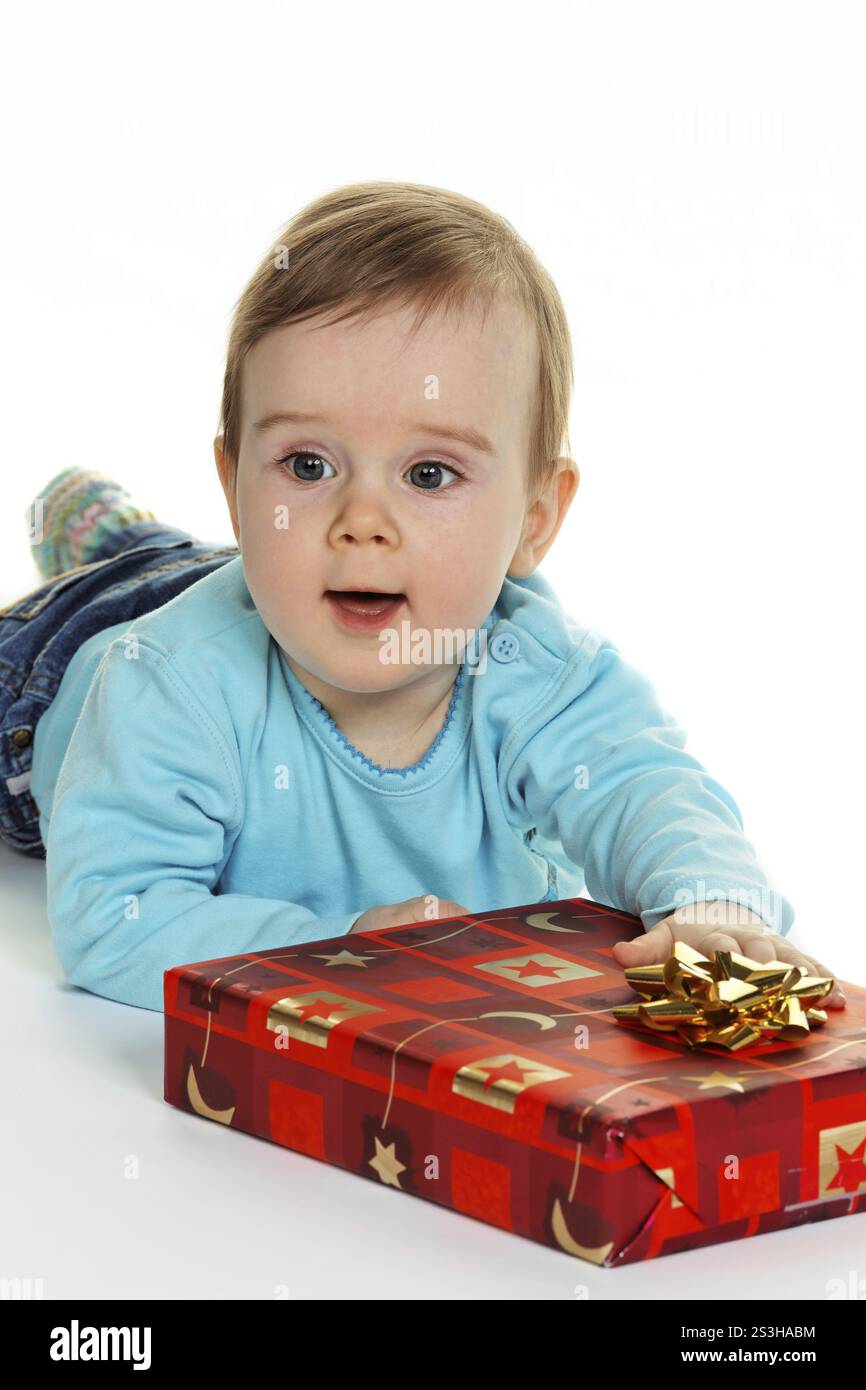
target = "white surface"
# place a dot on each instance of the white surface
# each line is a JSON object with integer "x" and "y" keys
{"x": 216, "y": 1213}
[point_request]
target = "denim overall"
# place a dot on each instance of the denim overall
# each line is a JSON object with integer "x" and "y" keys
{"x": 140, "y": 567}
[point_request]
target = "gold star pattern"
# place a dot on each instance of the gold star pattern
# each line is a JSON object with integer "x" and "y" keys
{"x": 344, "y": 957}
{"x": 852, "y": 1169}
{"x": 498, "y": 1081}
{"x": 387, "y": 1164}
{"x": 842, "y": 1159}
{"x": 311, "y": 1017}
{"x": 718, "y": 1078}
{"x": 537, "y": 969}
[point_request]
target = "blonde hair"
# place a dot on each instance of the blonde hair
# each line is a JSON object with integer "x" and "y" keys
{"x": 364, "y": 245}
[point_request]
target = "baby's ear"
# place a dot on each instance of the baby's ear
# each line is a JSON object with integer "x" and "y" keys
{"x": 544, "y": 516}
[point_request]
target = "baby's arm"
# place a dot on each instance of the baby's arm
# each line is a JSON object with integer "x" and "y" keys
{"x": 603, "y": 769}
{"x": 147, "y": 803}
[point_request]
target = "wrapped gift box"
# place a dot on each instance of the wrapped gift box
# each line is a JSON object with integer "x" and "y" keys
{"x": 475, "y": 1061}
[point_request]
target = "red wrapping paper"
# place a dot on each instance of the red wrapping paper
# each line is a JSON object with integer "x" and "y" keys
{"x": 475, "y": 1061}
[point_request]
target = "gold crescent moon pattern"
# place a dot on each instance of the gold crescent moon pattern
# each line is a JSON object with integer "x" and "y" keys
{"x": 568, "y": 1243}
{"x": 543, "y": 922}
{"x": 541, "y": 1019}
{"x": 200, "y": 1105}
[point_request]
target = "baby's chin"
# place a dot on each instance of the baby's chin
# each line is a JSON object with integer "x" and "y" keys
{"x": 360, "y": 671}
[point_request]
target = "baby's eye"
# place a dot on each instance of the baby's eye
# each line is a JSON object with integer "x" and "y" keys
{"x": 304, "y": 454}
{"x": 430, "y": 474}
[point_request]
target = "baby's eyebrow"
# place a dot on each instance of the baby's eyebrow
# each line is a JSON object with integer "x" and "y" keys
{"x": 283, "y": 417}
{"x": 464, "y": 434}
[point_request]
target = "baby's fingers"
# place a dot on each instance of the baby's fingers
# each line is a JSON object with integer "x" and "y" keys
{"x": 772, "y": 947}
{"x": 653, "y": 948}
{"x": 431, "y": 907}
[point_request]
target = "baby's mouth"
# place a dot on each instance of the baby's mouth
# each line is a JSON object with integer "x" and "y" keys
{"x": 363, "y": 602}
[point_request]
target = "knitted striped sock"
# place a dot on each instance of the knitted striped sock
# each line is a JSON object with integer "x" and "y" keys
{"x": 73, "y": 514}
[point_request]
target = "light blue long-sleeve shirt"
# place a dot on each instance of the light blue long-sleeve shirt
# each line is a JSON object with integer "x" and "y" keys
{"x": 196, "y": 800}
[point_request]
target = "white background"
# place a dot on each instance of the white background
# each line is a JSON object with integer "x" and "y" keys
{"x": 693, "y": 177}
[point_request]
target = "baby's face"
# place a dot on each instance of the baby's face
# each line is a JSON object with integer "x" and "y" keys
{"x": 370, "y": 491}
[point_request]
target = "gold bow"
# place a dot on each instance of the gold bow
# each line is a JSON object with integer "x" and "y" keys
{"x": 730, "y": 1000}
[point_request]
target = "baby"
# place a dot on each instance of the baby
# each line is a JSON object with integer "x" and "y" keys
{"x": 377, "y": 695}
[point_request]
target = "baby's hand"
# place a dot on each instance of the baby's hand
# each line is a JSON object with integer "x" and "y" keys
{"x": 425, "y": 908}
{"x": 730, "y": 927}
